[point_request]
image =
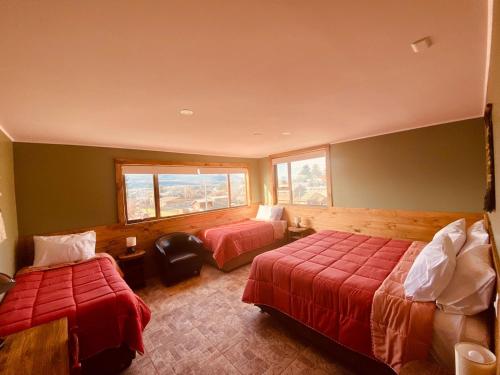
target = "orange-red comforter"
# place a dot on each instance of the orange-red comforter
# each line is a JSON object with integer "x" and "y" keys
{"x": 326, "y": 281}
{"x": 226, "y": 242}
{"x": 101, "y": 309}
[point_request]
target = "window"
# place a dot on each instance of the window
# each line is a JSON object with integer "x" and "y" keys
{"x": 238, "y": 183}
{"x": 159, "y": 191}
{"x": 140, "y": 196}
{"x": 282, "y": 183}
{"x": 302, "y": 178}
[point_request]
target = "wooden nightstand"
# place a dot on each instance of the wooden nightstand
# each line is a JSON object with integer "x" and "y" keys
{"x": 39, "y": 350}
{"x": 295, "y": 233}
{"x": 132, "y": 266}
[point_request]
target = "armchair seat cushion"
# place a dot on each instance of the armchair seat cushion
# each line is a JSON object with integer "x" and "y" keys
{"x": 180, "y": 257}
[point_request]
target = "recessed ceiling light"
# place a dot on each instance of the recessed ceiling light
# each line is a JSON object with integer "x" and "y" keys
{"x": 257, "y": 133}
{"x": 186, "y": 112}
{"x": 286, "y": 133}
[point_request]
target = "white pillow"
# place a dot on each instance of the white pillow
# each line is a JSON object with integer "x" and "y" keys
{"x": 471, "y": 288}
{"x": 50, "y": 250}
{"x": 264, "y": 212}
{"x": 476, "y": 235}
{"x": 276, "y": 212}
{"x": 431, "y": 271}
{"x": 456, "y": 232}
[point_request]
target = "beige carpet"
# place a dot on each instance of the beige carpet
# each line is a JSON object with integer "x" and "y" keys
{"x": 200, "y": 326}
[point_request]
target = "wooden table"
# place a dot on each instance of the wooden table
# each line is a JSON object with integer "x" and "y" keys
{"x": 39, "y": 350}
{"x": 296, "y": 233}
{"x": 132, "y": 266}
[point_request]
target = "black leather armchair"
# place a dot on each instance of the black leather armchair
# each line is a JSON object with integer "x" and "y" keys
{"x": 179, "y": 255}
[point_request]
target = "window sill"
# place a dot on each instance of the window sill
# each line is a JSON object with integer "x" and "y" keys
{"x": 303, "y": 205}
{"x": 152, "y": 220}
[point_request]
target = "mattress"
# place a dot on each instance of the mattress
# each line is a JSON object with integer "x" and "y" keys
{"x": 100, "y": 307}
{"x": 327, "y": 282}
{"x": 229, "y": 241}
{"x": 449, "y": 329}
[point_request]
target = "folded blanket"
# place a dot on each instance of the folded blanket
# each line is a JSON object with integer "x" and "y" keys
{"x": 401, "y": 329}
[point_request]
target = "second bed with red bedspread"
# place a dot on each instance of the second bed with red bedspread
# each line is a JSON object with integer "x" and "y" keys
{"x": 101, "y": 309}
{"x": 328, "y": 281}
{"x": 226, "y": 242}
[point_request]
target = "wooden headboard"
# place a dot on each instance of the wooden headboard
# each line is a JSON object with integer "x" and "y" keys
{"x": 398, "y": 224}
{"x": 111, "y": 238}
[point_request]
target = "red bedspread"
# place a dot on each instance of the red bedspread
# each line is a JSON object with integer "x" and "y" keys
{"x": 228, "y": 241}
{"x": 100, "y": 307}
{"x": 327, "y": 282}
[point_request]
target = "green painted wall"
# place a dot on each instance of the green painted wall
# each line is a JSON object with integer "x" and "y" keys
{"x": 7, "y": 205}
{"x": 62, "y": 187}
{"x": 437, "y": 168}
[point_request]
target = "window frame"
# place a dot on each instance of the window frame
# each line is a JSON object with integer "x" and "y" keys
{"x": 121, "y": 187}
{"x": 297, "y": 155}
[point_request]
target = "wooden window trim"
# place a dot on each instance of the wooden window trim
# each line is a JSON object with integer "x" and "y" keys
{"x": 121, "y": 188}
{"x": 326, "y": 149}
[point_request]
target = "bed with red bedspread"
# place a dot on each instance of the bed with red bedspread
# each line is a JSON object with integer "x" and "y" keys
{"x": 327, "y": 281}
{"x": 101, "y": 309}
{"x": 227, "y": 242}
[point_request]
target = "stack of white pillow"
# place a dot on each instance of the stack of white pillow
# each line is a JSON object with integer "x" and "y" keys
{"x": 269, "y": 213}
{"x": 455, "y": 270}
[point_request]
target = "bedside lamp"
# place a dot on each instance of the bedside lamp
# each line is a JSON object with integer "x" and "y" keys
{"x": 131, "y": 243}
{"x": 6, "y": 282}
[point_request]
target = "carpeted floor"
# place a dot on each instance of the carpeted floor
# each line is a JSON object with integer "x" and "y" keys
{"x": 200, "y": 326}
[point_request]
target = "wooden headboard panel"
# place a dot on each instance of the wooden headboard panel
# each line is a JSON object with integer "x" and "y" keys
{"x": 111, "y": 238}
{"x": 413, "y": 225}
{"x": 399, "y": 224}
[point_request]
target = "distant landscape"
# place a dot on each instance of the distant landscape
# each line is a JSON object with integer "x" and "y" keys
{"x": 182, "y": 193}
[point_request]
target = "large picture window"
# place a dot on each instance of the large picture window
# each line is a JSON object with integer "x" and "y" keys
{"x": 160, "y": 191}
{"x": 302, "y": 178}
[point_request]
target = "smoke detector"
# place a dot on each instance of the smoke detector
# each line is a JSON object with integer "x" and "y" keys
{"x": 421, "y": 44}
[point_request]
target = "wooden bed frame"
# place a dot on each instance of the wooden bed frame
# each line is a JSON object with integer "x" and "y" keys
{"x": 110, "y": 361}
{"x": 355, "y": 361}
{"x": 244, "y": 258}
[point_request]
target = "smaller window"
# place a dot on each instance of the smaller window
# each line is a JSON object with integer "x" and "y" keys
{"x": 302, "y": 178}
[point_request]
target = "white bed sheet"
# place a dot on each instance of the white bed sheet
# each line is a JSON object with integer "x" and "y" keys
{"x": 449, "y": 329}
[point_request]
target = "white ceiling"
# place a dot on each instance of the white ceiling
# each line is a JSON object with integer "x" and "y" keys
{"x": 116, "y": 73}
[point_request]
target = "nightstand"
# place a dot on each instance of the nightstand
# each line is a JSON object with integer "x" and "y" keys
{"x": 42, "y": 349}
{"x": 132, "y": 266}
{"x": 296, "y": 233}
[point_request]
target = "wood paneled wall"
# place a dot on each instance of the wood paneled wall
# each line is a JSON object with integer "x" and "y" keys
{"x": 400, "y": 224}
{"x": 412, "y": 225}
{"x": 111, "y": 238}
